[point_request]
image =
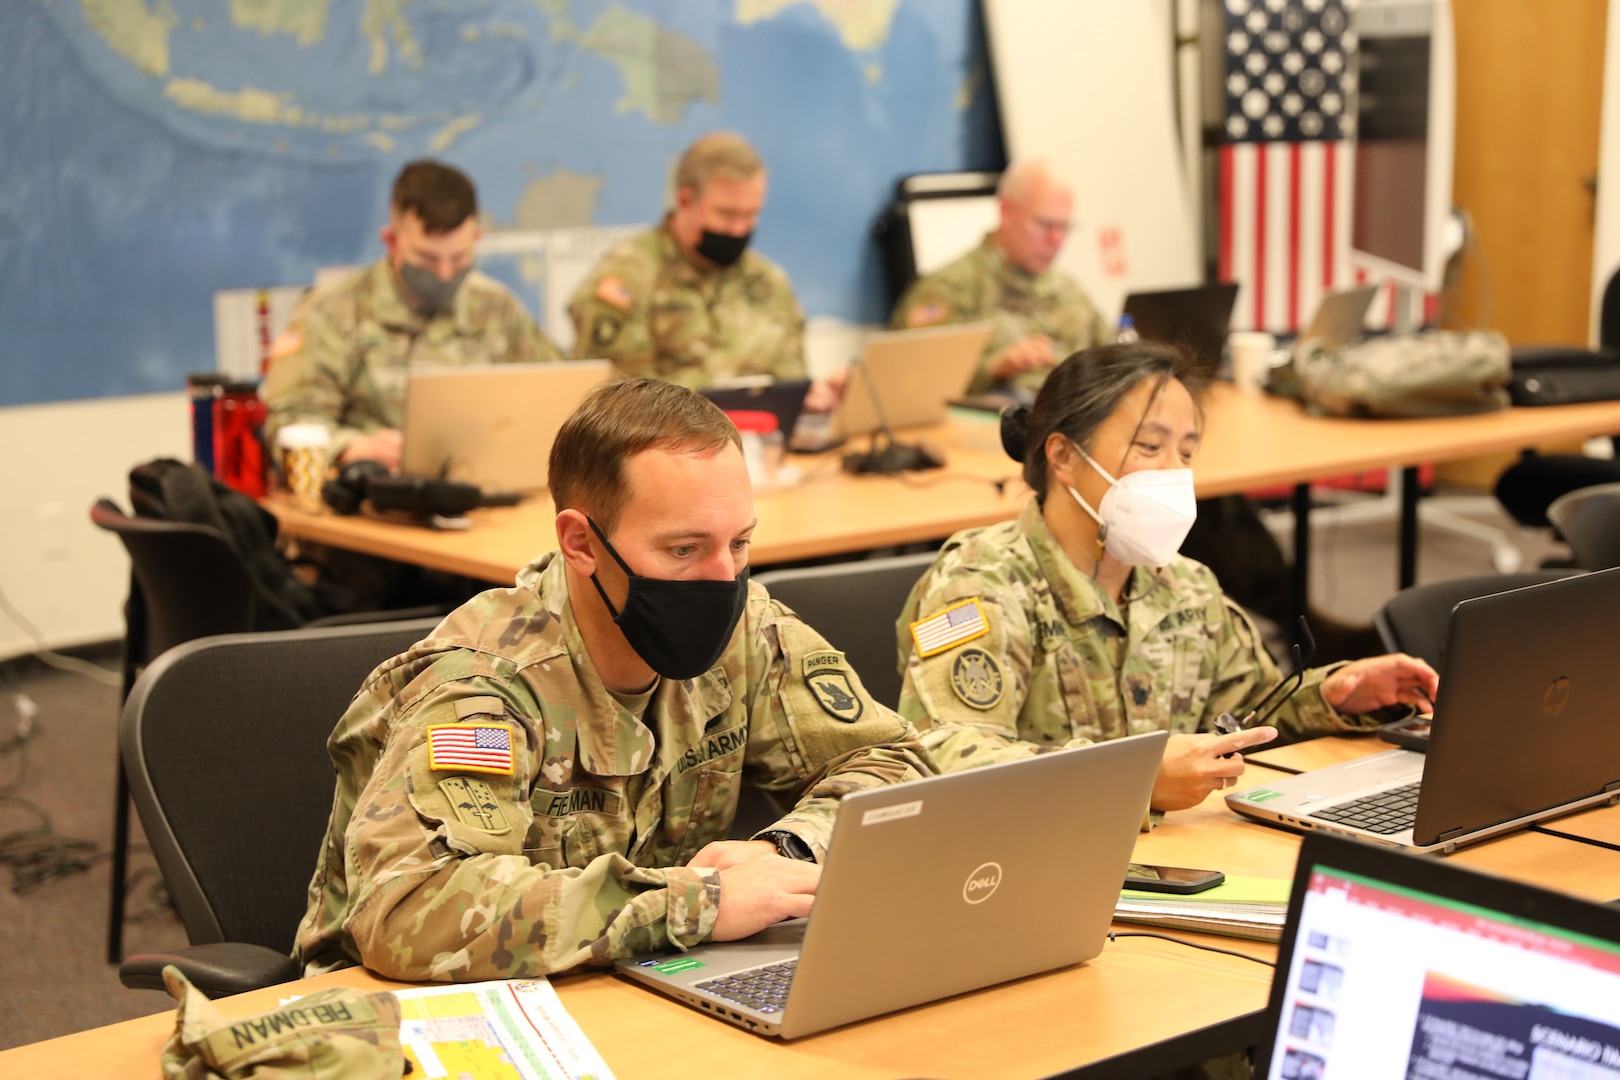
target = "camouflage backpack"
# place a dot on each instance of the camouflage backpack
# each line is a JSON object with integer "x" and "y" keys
{"x": 1433, "y": 373}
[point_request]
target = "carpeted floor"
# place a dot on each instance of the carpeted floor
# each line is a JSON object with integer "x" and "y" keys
{"x": 53, "y": 938}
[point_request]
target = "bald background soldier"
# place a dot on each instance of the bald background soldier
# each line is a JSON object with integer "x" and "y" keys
{"x": 548, "y": 779}
{"x": 342, "y": 359}
{"x": 1039, "y": 314}
{"x": 689, "y": 302}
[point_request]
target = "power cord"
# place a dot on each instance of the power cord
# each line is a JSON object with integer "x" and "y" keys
{"x": 49, "y": 656}
{"x": 1116, "y": 934}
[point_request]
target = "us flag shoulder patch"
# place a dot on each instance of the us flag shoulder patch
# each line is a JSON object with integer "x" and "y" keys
{"x": 483, "y": 748}
{"x": 948, "y": 629}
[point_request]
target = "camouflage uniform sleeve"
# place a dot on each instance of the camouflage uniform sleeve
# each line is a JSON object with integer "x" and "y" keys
{"x": 966, "y": 699}
{"x": 451, "y": 878}
{"x": 310, "y": 371}
{"x": 611, "y": 314}
{"x": 815, "y": 733}
{"x": 1245, "y": 673}
{"x": 530, "y": 344}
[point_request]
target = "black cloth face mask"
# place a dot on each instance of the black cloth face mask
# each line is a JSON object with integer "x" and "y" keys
{"x": 680, "y": 628}
{"x": 723, "y": 249}
{"x": 434, "y": 295}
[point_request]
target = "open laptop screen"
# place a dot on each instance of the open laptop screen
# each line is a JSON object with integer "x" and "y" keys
{"x": 1383, "y": 979}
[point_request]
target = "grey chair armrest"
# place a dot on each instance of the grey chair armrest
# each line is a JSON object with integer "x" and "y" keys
{"x": 218, "y": 970}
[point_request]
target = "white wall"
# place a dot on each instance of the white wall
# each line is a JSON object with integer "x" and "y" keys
{"x": 1606, "y": 248}
{"x": 58, "y": 570}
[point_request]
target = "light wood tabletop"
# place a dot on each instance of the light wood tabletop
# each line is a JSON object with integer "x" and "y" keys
{"x": 1139, "y": 996}
{"x": 1249, "y": 441}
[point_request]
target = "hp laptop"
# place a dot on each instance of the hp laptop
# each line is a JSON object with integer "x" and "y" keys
{"x": 491, "y": 424}
{"x": 1392, "y": 965}
{"x": 906, "y": 377}
{"x": 1526, "y": 726}
{"x": 935, "y": 888}
{"x": 1196, "y": 319}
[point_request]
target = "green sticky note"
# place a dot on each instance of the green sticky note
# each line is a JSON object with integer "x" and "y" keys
{"x": 1262, "y": 794}
{"x": 677, "y": 965}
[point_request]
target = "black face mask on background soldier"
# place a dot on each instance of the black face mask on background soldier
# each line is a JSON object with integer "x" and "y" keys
{"x": 723, "y": 249}
{"x": 679, "y": 627}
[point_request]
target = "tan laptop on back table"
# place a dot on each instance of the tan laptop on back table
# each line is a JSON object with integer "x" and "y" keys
{"x": 491, "y": 424}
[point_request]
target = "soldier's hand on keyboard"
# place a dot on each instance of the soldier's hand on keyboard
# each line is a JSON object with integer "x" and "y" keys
{"x": 756, "y": 893}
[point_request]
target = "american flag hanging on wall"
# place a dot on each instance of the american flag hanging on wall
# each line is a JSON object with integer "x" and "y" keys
{"x": 1286, "y": 160}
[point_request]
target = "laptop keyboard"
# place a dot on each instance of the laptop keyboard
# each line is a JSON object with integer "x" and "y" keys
{"x": 1383, "y": 812}
{"x": 762, "y": 989}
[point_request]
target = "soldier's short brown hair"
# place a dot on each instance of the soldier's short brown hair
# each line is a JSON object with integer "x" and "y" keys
{"x": 1083, "y": 391}
{"x": 719, "y": 153}
{"x": 442, "y": 196}
{"x": 617, "y": 420}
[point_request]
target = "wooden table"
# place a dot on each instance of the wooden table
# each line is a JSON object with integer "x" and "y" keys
{"x": 1143, "y": 1006}
{"x": 1249, "y": 441}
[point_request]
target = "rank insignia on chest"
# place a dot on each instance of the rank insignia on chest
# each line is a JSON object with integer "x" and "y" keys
{"x": 977, "y": 680}
{"x": 471, "y": 748}
{"x": 826, "y": 673}
{"x": 949, "y": 628}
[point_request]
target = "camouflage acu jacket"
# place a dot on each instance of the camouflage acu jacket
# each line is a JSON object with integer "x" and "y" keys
{"x": 342, "y": 359}
{"x": 653, "y": 313}
{"x": 499, "y": 814}
{"x": 983, "y": 285}
{"x": 1056, "y": 660}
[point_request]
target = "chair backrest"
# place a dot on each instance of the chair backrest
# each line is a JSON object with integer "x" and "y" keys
{"x": 1415, "y": 620}
{"x": 188, "y": 582}
{"x": 854, "y": 606}
{"x": 224, "y": 741}
{"x": 1590, "y": 520}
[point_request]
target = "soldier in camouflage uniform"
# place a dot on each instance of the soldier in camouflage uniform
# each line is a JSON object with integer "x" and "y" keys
{"x": 342, "y": 359}
{"x": 547, "y": 780}
{"x": 1048, "y": 631}
{"x": 688, "y": 302}
{"x": 1038, "y": 314}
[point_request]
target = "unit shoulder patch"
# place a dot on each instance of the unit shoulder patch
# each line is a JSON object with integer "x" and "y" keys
{"x": 475, "y": 804}
{"x": 977, "y": 679}
{"x": 826, "y": 673}
{"x": 944, "y": 630}
{"x": 485, "y": 748}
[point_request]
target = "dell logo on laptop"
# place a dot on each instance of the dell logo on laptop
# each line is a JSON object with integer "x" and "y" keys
{"x": 1556, "y": 696}
{"x": 982, "y": 883}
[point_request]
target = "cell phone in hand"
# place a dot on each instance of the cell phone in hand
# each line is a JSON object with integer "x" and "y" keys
{"x": 1171, "y": 879}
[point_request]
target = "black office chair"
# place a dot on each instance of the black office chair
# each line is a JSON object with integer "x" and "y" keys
{"x": 854, "y": 606}
{"x": 1589, "y": 519}
{"x": 186, "y": 582}
{"x": 224, "y": 743}
{"x": 1415, "y": 621}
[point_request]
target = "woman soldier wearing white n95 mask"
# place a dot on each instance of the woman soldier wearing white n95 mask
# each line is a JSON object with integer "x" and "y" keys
{"x": 1078, "y": 622}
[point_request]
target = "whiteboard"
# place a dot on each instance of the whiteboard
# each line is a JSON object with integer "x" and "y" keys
{"x": 1087, "y": 85}
{"x": 945, "y": 229}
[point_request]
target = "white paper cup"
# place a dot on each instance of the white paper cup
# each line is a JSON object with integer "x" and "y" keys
{"x": 303, "y": 451}
{"x": 1251, "y": 359}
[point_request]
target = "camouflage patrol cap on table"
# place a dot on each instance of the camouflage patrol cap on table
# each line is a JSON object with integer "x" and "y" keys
{"x": 337, "y": 1033}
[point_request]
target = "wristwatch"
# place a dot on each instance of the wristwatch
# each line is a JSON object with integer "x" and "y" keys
{"x": 788, "y": 845}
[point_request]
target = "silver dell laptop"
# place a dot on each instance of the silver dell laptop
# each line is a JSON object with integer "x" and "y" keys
{"x": 1526, "y": 726}
{"x": 935, "y": 888}
{"x": 1339, "y": 318}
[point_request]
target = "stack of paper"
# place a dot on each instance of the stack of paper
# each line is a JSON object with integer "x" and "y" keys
{"x": 507, "y": 1030}
{"x": 1242, "y": 907}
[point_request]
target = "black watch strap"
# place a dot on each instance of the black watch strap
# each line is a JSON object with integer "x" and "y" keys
{"x": 788, "y": 845}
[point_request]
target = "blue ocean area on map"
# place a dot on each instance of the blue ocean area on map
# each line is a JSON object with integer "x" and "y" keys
{"x": 155, "y": 151}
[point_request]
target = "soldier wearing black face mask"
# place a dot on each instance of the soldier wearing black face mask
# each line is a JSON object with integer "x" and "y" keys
{"x": 689, "y": 302}
{"x": 342, "y": 359}
{"x": 563, "y": 759}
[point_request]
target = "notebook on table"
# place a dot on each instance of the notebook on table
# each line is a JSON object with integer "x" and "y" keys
{"x": 1392, "y": 965}
{"x": 920, "y": 886}
{"x": 490, "y": 424}
{"x": 1526, "y": 726}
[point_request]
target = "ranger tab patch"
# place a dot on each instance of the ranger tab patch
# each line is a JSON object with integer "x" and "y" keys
{"x": 976, "y": 678}
{"x": 483, "y": 748}
{"x": 956, "y": 624}
{"x": 826, "y": 673}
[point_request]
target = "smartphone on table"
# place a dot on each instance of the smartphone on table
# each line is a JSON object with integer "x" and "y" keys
{"x": 1171, "y": 879}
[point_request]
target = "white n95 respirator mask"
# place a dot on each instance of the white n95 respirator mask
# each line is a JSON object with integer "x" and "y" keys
{"x": 1146, "y": 514}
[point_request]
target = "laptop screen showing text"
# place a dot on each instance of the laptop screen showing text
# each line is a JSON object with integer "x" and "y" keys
{"x": 1390, "y": 981}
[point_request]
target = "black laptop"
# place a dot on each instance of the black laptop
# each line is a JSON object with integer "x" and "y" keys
{"x": 1396, "y": 965}
{"x": 1196, "y": 319}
